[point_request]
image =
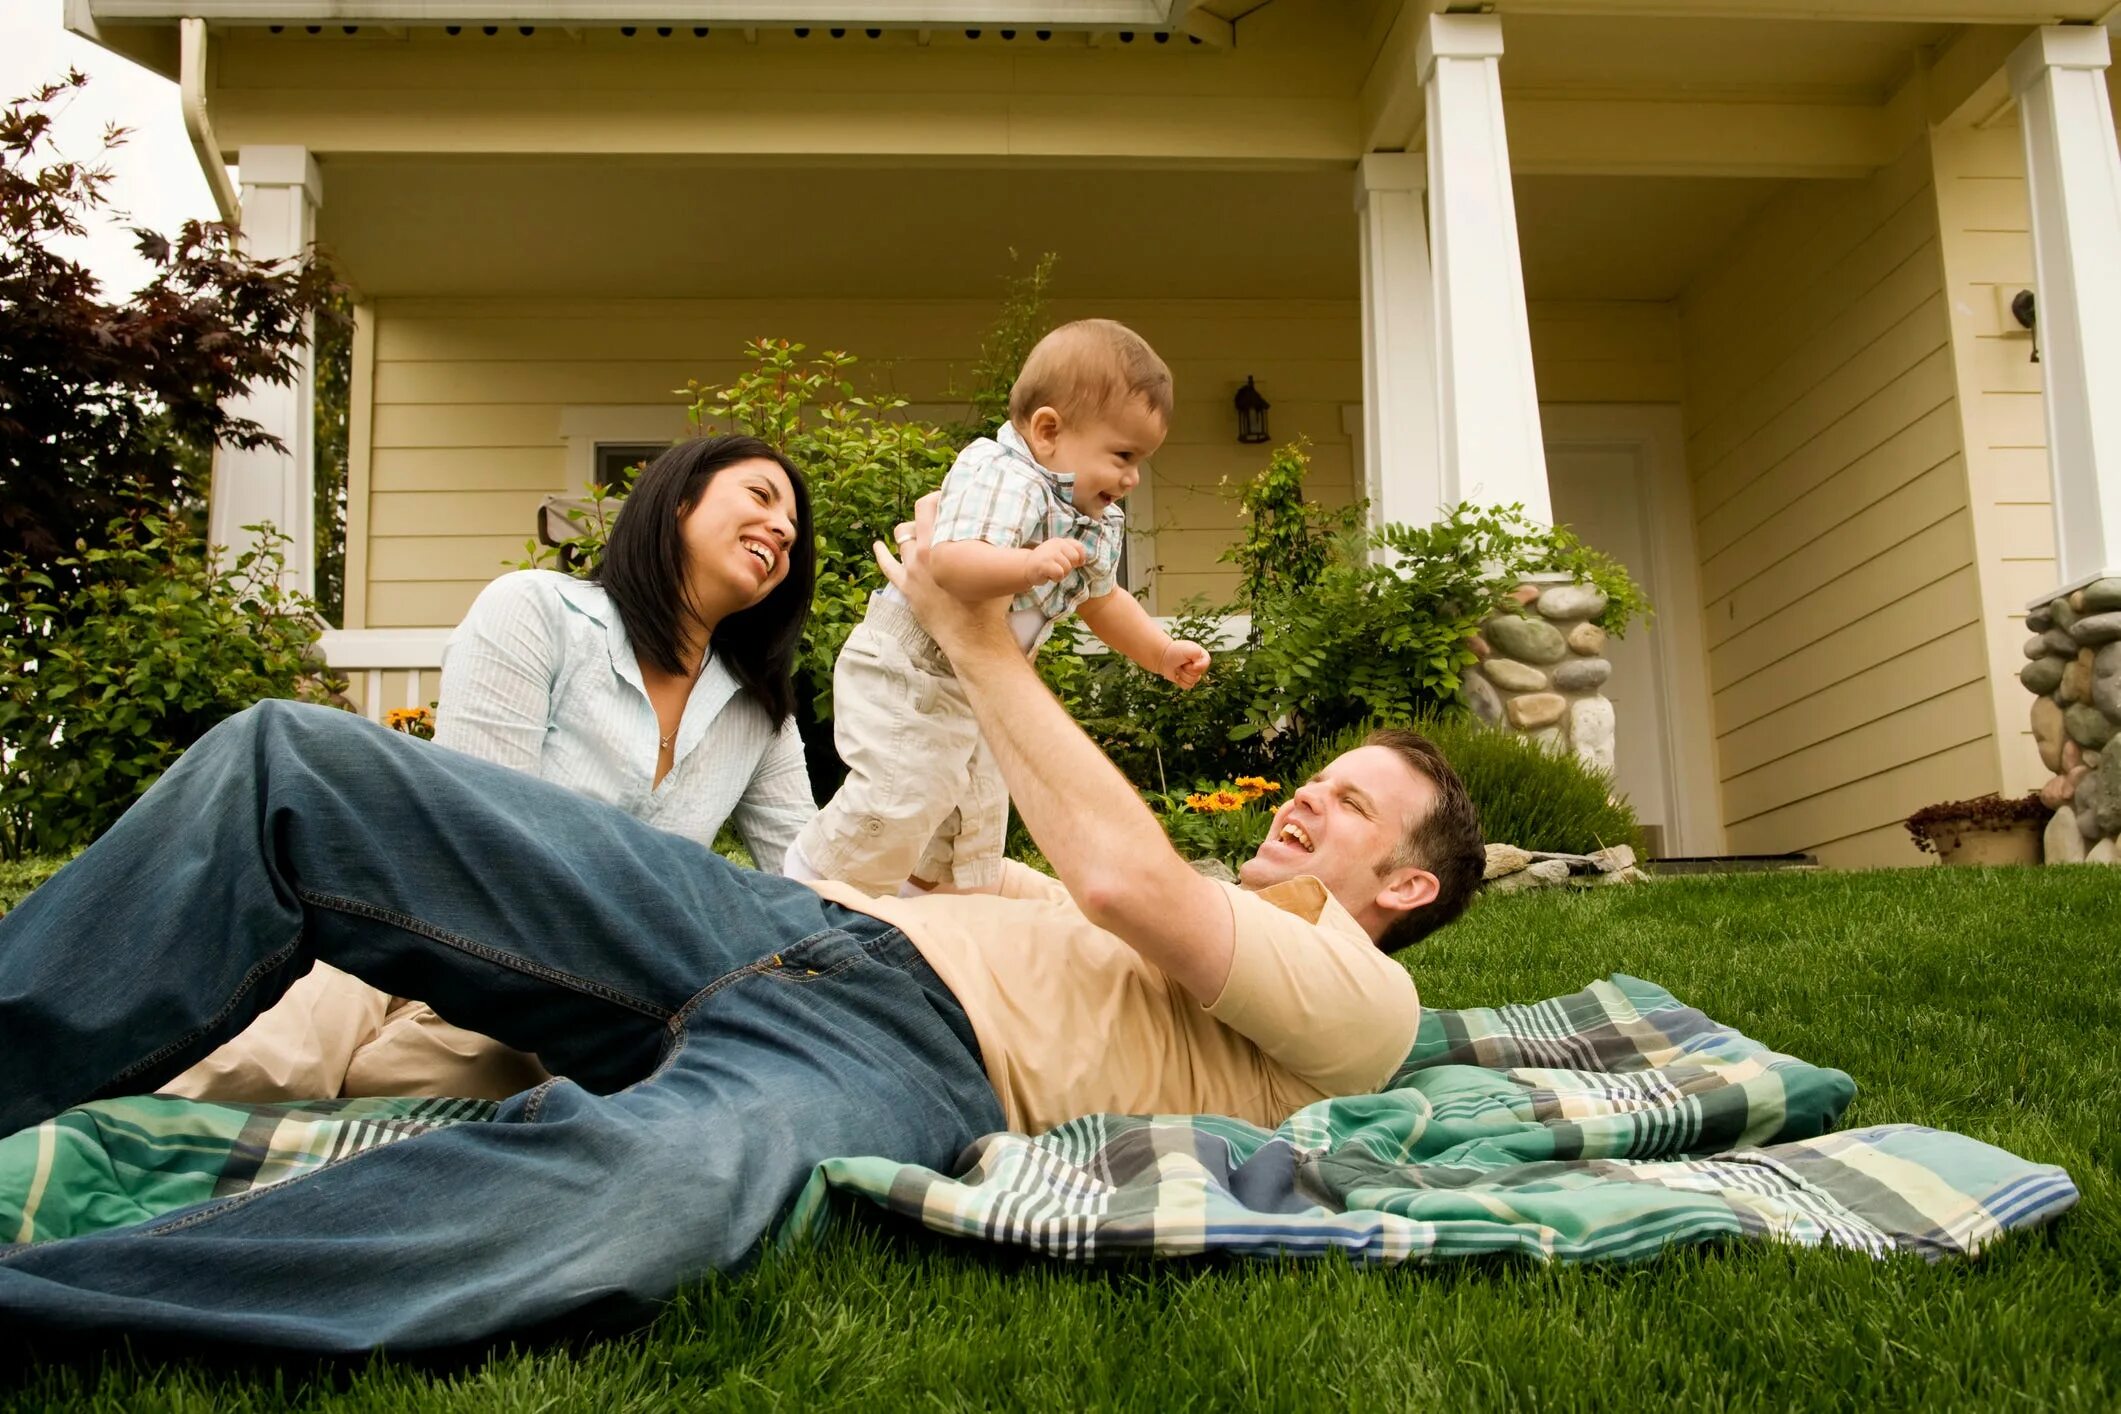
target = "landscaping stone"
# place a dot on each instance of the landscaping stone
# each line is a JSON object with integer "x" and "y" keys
{"x": 1480, "y": 647}
{"x": 2076, "y": 683}
{"x": 2062, "y": 844}
{"x": 2047, "y": 731}
{"x": 1613, "y": 858}
{"x": 1525, "y": 593}
{"x": 2107, "y": 808}
{"x": 2092, "y": 630}
{"x": 2076, "y": 601}
{"x": 1572, "y": 601}
{"x": 1513, "y": 676}
{"x": 2059, "y": 613}
{"x": 2086, "y": 808}
{"x": 1537, "y": 709}
{"x": 2072, "y": 756}
{"x": 2106, "y": 679}
{"x": 2036, "y": 646}
{"x": 1549, "y": 871}
{"x": 1591, "y": 727}
{"x": 1548, "y": 738}
{"x": 2087, "y": 725}
{"x": 2100, "y": 853}
{"x": 2043, "y": 675}
{"x": 2098, "y": 597}
{"x": 1528, "y": 640}
{"x": 2058, "y": 791}
{"x": 1582, "y": 674}
{"x": 1486, "y": 703}
{"x": 1504, "y": 859}
{"x": 1587, "y": 639}
{"x": 2066, "y": 644}
{"x": 2039, "y": 621}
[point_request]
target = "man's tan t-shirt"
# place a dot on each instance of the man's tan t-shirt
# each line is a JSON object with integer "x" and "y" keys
{"x": 1072, "y": 1021}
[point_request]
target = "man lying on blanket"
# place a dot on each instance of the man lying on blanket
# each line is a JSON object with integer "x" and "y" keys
{"x": 721, "y": 1031}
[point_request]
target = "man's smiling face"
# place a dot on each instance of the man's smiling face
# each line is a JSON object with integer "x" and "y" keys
{"x": 1343, "y": 827}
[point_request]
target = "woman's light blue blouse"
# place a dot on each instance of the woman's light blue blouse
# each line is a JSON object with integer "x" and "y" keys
{"x": 541, "y": 676}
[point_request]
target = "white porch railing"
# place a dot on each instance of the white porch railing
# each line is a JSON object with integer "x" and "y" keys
{"x": 387, "y": 667}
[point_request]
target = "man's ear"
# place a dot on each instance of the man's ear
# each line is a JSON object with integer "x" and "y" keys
{"x": 1042, "y": 431}
{"x": 1406, "y": 889}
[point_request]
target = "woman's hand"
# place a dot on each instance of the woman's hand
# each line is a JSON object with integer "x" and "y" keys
{"x": 954, "y": 623}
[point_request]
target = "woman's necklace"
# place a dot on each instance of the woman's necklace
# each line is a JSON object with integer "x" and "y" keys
{"x": 670, "y": 743}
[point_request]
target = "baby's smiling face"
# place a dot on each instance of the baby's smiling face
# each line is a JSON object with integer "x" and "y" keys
{"x": 1105, "y": 453}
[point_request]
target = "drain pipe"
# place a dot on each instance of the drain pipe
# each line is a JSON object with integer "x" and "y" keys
{"x": 191, "y": 93}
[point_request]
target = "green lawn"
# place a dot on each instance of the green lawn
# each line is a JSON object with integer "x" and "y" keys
{"x": 1987, "y": 1002}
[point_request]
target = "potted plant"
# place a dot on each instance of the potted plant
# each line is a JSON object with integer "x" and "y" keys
{"x": 1988, "y": 830}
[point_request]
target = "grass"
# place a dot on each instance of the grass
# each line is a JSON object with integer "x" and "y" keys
{"x": 1987, "y": 1002}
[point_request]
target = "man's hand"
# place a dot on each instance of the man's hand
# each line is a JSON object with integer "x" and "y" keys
{"x": 1051, "y": 561}
{"x": 958, "y": 625}
{"x": 1184, "y": 662}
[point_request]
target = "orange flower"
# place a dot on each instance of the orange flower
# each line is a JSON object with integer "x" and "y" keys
{"x": 406, "y": 718}
{"x": 1256, "y": 786}
{"x": 1228, "y": 800}
{"x": 1200, "y": 804}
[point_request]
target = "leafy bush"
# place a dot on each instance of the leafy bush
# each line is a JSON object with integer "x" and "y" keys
{"x": 107, "y": 402}
{"x": 101, "y": 688}
{"x": 1387, "y": 638}
{"x": 19, "y": 876}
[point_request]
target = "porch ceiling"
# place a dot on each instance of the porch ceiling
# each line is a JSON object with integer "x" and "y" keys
{"x": 667, "y": 227}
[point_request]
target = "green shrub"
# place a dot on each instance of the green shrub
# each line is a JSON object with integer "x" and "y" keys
{"x": 1386, "y": 638}
{"x": 1527, "y": 795}
{"x": 19, "y": 876}
{"x": 102, "y": 689}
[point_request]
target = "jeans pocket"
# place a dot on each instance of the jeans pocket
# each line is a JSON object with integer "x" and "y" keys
{"x": 821, "y": 955}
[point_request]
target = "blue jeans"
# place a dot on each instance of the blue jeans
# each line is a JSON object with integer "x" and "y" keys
{"x": 719, "y": 1031}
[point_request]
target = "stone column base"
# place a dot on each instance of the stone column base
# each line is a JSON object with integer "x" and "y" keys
{"x": 1542, "y": 671}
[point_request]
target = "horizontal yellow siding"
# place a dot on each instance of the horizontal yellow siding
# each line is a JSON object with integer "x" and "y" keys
{"x": 469, "y": 400}
{"x": 1841, "y": 602}
{"x": 1981, "y": 202}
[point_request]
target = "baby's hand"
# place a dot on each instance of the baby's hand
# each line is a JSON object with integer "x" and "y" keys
{"x": 1184, "y": 662}
{"x": 1052, "y": 560}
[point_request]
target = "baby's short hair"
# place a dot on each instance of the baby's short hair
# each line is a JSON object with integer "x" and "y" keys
{"x": 1087, "y": 368}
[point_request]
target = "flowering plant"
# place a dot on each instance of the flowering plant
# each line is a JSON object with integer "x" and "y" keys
{"x": 413, "y": 721}
{"x": 1224, "y": 821}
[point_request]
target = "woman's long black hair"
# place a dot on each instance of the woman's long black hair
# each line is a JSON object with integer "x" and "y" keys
{"x": 643, "y": 570}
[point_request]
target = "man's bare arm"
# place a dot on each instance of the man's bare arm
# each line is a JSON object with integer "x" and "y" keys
{"x": 1099, "y": 836}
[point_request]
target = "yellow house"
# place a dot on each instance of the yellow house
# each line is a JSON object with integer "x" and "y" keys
{"x": 1726, "y": 284}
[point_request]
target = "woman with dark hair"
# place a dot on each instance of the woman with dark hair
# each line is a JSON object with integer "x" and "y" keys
{"x": 661, "y": 684}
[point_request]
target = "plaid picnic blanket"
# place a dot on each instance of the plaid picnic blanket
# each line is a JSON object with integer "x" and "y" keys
{"x": 1607, "y": 1124}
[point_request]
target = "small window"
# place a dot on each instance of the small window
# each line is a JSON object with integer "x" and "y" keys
{"x": 615, "y": 459}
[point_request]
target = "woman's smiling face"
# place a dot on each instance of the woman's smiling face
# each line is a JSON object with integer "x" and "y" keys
{"x": 737, "y": 536}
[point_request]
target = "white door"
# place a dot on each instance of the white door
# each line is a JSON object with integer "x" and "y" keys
{"x": 1616, "y": 477}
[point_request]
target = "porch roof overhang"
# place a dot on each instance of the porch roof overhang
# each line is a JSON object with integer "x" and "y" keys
{"x": 1176, "y": 15}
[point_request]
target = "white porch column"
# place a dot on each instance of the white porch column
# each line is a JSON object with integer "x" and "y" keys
{"x": 2073, "y": 181}
{"x": 281, "y": 192}
{"x": 1398, "y": 365}
{"x": 1487, "y": 406}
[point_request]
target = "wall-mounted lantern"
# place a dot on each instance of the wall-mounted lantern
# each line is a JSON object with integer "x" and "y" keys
{"x": 1251, "y": 413}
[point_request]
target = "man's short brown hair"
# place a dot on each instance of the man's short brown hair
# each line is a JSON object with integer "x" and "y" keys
{"x": 1087, "y": 368}
{"x": 1446, "y": 841}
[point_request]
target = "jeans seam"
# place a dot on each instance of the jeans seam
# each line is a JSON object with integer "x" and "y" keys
{"x": 261, "y": 968}
{"x": 481, "y": 951}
